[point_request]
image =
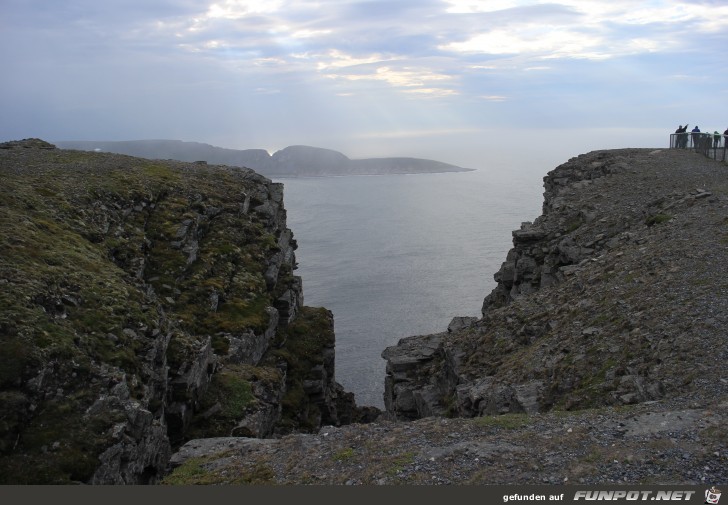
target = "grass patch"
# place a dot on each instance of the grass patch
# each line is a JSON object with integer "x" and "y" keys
{"x": 192, "y": 472}
{"x": 657, "y": 219}
{"x": 195, "y": 472}
{"x": 235, "y": 392}
{"x": 397, "y": 463}
{"x": 160, "y": 172}
{"x": 716, "y": 433}
{"x": 344, "y": 454}
{"x": 232, "y": 396}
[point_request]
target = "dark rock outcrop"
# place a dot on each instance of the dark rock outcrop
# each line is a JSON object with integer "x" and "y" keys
{"x": 145, "y": 303}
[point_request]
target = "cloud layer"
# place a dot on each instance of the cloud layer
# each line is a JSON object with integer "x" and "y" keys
{"x": 268, "y": 73}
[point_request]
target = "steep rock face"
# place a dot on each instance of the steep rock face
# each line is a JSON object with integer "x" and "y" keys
{"x": 599, "y": 301}
{"x": 140, "y": 302}
{"x": 543, "y": 249}
{"x": 409, "y": 363}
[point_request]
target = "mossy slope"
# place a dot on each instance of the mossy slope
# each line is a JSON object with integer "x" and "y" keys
{"x": 116, "y": 274}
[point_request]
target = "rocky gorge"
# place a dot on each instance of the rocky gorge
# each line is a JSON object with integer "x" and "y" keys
{"x": 153, "y": 332}
{"x": 599, "y": 357}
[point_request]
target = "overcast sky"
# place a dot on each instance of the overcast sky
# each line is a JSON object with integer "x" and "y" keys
{"x": 460, "y": 81}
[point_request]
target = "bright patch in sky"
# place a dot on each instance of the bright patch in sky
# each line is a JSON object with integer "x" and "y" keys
{"x": 236, "y": 9}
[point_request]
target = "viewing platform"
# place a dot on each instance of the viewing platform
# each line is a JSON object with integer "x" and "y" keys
{"x": 709, "y": 144}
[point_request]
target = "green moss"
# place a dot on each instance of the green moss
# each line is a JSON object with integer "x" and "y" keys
{"x": 344, "y": 454}
{"x": 657, "y": 219}
{"x": 178, "y": 348}
{"x": 81, "y": 235}
{"x": 59, "y": 444}
{"x": 306, "y": 339}
{"x": 160, "y": 172}
{"x": 231, "y": 394}
{"x": 227, "y": 248}
{"x": 231, "y": 265}
{"x": 199, "y": 471}
{"x": 258, "y": 475}
{"x": 192, "y": 472}
{"x": 220, "y": 344}
{"x": 234, "y": 392}
{"x": 399, "y": 462}
{"x": 715, "y": 433}
{"x": 574, "y": 224}
{"x": 238, "y": 315}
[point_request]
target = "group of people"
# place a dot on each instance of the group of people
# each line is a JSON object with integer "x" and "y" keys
{"x": 681, "y": 141}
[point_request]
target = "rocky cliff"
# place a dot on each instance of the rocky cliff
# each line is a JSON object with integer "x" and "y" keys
{"x": 599, "y": 357}
{"x": 615, "y": 295}
{"x": 132, "y": 331}
{"x": 143, "y": 304}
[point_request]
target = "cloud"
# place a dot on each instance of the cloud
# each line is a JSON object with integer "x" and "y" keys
{"x": 236, "y": 9}
{"x": 494, "y": 98}
{"x": 582, "y": 30}
{"x": 419, "y": 81}
{"x": 538, "y": 40}
{"x": 400, "y": 134}
{"x": 250, "y": 68}
{"x": 335, "y": 59}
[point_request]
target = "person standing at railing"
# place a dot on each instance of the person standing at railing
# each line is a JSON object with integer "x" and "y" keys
{"x": 696, "y": 136}
{"x": 682, "y": 138}
{"x": 716, "y": 139}
{"x": 725, "y": 138}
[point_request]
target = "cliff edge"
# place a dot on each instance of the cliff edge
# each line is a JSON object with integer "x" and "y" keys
{"x": 613, "y": 296}
{"x": 599, "y": 358}
{"x": 145, "y": 303}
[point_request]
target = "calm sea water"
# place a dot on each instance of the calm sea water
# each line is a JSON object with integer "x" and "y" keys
{"x": 399, "y": 255}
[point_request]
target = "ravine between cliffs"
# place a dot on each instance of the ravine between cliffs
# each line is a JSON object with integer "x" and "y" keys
{"x": 153, "y": 331}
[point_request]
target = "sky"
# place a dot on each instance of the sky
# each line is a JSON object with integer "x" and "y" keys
{"x": 466, "y": 82}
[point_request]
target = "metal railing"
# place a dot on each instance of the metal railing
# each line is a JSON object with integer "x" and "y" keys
{"x": 708, "y": 144}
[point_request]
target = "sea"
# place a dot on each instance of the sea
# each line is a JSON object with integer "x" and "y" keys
{"x": 399, "y": 255}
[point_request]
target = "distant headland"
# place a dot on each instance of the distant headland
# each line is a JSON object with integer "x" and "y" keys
{"x": 293, "y": 161}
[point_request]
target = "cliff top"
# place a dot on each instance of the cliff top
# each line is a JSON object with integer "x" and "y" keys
{"x": 600, "y": 357}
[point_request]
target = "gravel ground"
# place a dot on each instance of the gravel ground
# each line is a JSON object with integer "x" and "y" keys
{"x": 681, "y": 441}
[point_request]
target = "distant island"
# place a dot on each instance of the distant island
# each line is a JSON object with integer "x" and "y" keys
{"x": 293, "y": 161}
